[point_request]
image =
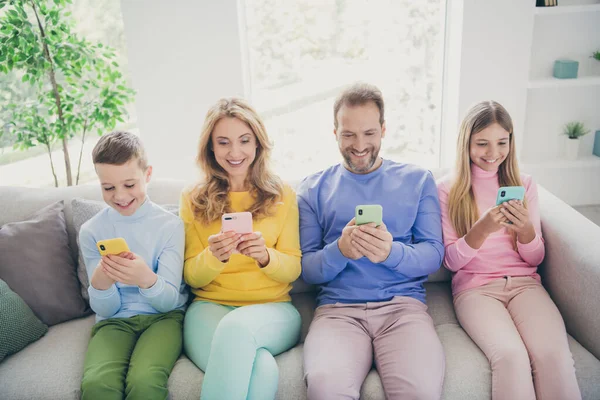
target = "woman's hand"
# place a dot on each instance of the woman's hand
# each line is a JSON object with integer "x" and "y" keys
{"x": 253, "y": 245}
{"x": 222, "y": 245}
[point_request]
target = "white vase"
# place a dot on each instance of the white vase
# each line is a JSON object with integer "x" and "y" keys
{"x": 571, "y": 149}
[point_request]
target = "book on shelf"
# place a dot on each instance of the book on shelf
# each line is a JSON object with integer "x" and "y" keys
{"x": 546, "y": 3}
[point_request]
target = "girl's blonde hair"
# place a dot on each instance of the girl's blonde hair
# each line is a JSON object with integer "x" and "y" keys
{"x": 210, "y": 197}
{"x": 462, "y": 208}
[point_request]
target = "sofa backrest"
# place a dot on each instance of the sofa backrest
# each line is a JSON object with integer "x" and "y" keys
{"x": 19, "y": 203}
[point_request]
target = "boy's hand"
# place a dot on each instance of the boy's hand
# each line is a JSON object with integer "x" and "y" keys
{"x": 100, "y": 280}
{"x": 130, "y": 270}
{"x": 347, "y": 248}
{"x": 373, "y": 242}
{"x": 253, "y": 245}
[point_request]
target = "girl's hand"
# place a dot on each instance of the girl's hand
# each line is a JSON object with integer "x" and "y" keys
{"x": 514, "y": 212}
{"x": 222, "y": 245}
{"x": 253, "y": 245}
{"x": 491, "y": 221}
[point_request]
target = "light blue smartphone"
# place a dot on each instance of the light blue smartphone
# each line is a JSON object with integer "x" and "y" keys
{"x": 507, "y": 193}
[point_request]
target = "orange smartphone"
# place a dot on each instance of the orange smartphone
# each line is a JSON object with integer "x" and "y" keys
{"x": 114, "y": 246}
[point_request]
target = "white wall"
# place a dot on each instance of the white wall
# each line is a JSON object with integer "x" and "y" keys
{"x": 489, "y": 46}
{"x": 183, "y": 56}
{"x": 491, "y": 43}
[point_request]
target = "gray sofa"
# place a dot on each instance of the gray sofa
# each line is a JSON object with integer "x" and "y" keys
{"x": 51, "y": 368}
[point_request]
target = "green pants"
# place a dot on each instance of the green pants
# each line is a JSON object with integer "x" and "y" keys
{"x": 132, "y": 357}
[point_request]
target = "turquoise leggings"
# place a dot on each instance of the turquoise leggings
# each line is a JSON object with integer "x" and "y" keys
{"x": 235, "y": 347}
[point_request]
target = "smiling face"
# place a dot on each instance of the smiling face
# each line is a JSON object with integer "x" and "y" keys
{"x": 489, "y": 147}
{"x": 234, "y": 146}
{"x": 124, "y": 186}
{"x": 359, "y": 135}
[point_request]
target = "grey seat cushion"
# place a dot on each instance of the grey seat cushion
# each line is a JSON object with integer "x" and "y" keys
{"x": 52, "y": 367}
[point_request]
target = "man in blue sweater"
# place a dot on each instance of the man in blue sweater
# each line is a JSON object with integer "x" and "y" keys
{"x": 371, "y": 300}
{"x": 139, "y": 296}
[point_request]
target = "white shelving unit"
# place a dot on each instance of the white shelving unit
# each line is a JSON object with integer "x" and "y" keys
{"x": 564, "y": 83}
{"x": 567, "y": 9}
{"x": 570, "y": 30}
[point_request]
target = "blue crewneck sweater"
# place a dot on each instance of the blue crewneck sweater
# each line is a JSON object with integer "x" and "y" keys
{"x": 159, "y": 238}
{"x": 411, "y": 211}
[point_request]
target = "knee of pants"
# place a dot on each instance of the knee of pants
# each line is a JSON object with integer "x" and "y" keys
{"x": 551, "y": 357}
{"x": 143, "y": 384}
{"x": 98, "y": 387}
{"x": 513, "y": 358}
{"x": 327, "y": 385}
{"x": 232, "y": 328}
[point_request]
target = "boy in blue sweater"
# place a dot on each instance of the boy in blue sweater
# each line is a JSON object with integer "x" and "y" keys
{"x": 139, "y": 296}
{"x": 371, "y": 300}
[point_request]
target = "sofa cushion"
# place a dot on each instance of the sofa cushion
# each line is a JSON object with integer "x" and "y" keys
{"x": 82, "y": 211}
{"x": 50, "y": 368}
{"x": 36, "y": 262}
{"x": 18, "y": 324}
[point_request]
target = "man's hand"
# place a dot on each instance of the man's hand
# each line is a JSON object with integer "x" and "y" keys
{"x": 375, "y": 243}
{"x": 347, "y": 248}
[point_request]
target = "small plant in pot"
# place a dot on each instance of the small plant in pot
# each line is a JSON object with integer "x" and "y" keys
{"x": 573, "y": 131}
{"x": 596, "y": 55}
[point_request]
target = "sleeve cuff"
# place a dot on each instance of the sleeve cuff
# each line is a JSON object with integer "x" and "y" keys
{"x": 333, "y": 255}
{"x": 531, "y": 246}
{"x": 395, "y": 256}
{"x": 464, "y": 250}
{"x": 102, "y": 294}
{"x": 273, "y": 266}
{"x": 213, "y": 263}
{"x": 155, "y": 289}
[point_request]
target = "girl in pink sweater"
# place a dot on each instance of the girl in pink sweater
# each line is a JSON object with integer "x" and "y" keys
{"x": 493, "y": 253}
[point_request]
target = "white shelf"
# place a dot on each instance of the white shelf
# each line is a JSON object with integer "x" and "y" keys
{"x": 582, "y": 162}
{"x": 564, "y": 83}
{"x": 567, "y": 9}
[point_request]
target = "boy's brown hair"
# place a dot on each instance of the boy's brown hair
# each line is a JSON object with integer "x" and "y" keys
{"x": 118, "y": 147}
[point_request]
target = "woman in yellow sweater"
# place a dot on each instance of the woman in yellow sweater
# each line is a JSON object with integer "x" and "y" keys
{"x": 242, "y": 315}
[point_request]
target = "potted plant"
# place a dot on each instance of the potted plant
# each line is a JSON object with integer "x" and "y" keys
{"x": 596, "y": 55}
{"x": 573, "y": 131}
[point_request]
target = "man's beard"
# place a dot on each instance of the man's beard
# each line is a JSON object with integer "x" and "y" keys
{"x": 347, "y": 154}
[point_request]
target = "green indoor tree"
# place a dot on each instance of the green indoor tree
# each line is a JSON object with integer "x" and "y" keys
{"x": 78, "y": 85}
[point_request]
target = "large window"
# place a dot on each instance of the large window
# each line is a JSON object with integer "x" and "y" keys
{"x": 301, "y": 53}
{"x": 100, "y": 22}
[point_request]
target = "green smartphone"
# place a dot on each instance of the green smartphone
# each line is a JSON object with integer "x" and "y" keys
{"x": 507, "y": 193}
{"x": 367, "y": 213}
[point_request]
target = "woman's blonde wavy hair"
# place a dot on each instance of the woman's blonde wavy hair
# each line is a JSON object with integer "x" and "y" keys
{"x": 210, "y": 196}
{"x": 462, "y": 208}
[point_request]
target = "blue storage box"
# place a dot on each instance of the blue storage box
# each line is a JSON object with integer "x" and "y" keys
{"x": 565, "y": 69}
{"x": 597, "y": 144}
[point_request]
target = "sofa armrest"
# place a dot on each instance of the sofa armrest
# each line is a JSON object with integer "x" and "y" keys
{"x": 571, "y": 269}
